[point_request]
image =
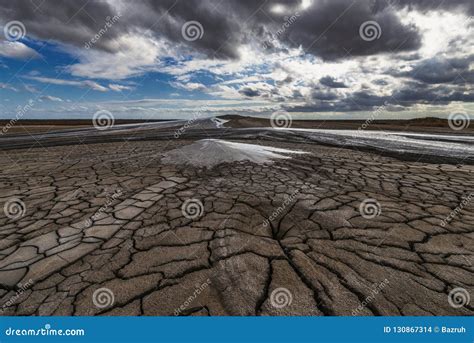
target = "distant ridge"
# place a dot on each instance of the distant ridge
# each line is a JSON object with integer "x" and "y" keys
{"x": 428, "y": 124}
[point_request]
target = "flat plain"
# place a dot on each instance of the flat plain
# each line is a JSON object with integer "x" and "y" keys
{"x": 278, "y": 228}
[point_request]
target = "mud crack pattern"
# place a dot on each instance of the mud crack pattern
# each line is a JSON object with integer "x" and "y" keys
{"x": 74, "y": 238}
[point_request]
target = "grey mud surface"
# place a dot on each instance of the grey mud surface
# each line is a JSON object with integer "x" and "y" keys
{"x": 76, "y": 236}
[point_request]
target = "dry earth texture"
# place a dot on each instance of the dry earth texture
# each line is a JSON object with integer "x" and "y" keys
{"x": 119, "y": 229}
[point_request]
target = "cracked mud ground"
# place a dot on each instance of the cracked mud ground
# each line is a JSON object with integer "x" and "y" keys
{"x": 75, "y": 237}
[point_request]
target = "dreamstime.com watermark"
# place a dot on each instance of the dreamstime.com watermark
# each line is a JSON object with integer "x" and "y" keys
{"x": 458, "y": 297}
{"x": 109, "y": 22}
{"x": 373, "y": 115}
{"x": 370, "y": 208}
{"x": 103, "y": 297}
{"x": 103, "y": 120}
{"x": 468, "y": 22}
{"x": 370, "y": 30}
{"x": 281, "y": 119}
{"x": 22, "y": 288}
{"x": 46, "y": 331}
{"x": 458, "y": 121}
{"x": 192, "y": 30}
{"x": 14, "y": 31}
{"x": 192, "y": 209}
{"x": 20, "y": 112}
{"x": 14, "y": 208}
{"x": 199, "y": 289}
{"x": 110, "y": 199}
{"x": 373, "y": 293}
{"x": 457, "y": 210}
{"x": 281, "y": 31}
{"x": 196, "y": 115}
{"x": 278, "y": 212}
{"x": 281, "y": 297}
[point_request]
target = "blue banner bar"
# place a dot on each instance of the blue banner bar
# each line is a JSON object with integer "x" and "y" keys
{"x": 237, "y": 329}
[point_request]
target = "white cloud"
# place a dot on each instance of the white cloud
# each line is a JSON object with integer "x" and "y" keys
{"x": 119, "y": 88}
{"x": 136, "y": 54}
{"x": 189, "y": 86}
{"x": 7, "y": 86}
{"x": 16, "y": 50}
{"x": 440, "y": 30}
{"x": 84, "y": 83}
{"x": 51, "y": 98}
{"x": 31, "y": 89}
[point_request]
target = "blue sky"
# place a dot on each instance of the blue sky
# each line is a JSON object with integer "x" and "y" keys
{"x": 45, "y": 79}
{"x": 141, "y": 60}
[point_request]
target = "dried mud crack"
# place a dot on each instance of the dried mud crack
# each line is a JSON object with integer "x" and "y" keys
{"x": 110, "y": 216}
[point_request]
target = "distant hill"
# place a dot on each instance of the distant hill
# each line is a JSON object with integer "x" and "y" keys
{"x": 430, "y": 124}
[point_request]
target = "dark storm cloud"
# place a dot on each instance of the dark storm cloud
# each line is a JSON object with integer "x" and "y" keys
{"x": 331, "y": 82}
{"x": 249, "y": 92}
{"x": 76, "y": 22}
{"x": 226, "y": 24}
{"x": 220, "y": 21}
{"x": 324, "y": 95}
{"x": 410, "y": 94}
{"x": 72, "y": 22}
{"x": 414, "y": 92}
{"x": 286, "y": 80}
{"x": 380, "y": 82}
{"x": 442, "y": 70}
{"x": 410, "y": 57}
{"x": 328, "y": 28}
